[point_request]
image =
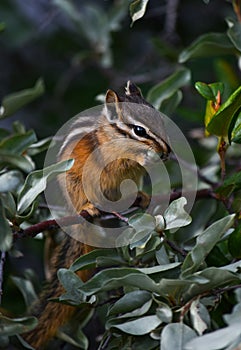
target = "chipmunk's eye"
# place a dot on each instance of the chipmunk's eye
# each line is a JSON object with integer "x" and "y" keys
{"x": 139, "y": 131}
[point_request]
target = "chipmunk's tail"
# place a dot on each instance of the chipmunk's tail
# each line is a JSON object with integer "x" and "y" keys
{"x": 52, "y": 315}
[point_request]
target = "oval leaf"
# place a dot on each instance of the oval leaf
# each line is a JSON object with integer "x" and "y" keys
{"x": 138, "y": 9}
{"x": 175, "y": 336}
{"x": 6, "y": 236}
{"x": 10, "y": 326}
{"x": 15, "y": 101}
{"x": 36, "y": 183}
{"x": 164, "y": 90}
{"x": 175, "y": 216}
{"x": 211, "y": 44}
{"x": 219, "y": 124}
{"x": 142, "y": 325}
{"x": 205, "y": 243}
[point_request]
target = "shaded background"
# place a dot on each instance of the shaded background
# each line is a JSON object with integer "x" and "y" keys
{"x": 82, "y": 53}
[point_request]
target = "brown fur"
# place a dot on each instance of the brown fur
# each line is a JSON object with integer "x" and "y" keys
{"x": 53, "y": 315}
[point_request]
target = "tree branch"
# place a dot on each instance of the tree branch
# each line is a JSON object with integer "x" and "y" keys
{"x": 33, "y": 230}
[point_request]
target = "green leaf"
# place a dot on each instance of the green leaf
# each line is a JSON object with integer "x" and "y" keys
{"x": 9, "y": 204}
{"x": 18, "y": 143}
{"x": 22, "y": 162}
{"x": 231, "y": 183}
{"x": 234, "y": 32}
{"x": 138, "y": 9}
{"x": 205, "y": 243}
{"x": 164, "y": 90}
{"x": 175, "y": 336}
{"x": 164, "y": 312}
{"x": 208, "y": 279}
{"x": 15, "y": 101}
{"x": 140, "y": 226}
{"x": 235, "y": 315}
{"x": 236, "y": 130}
{"x": 71, "y": 283}
{"x": 116, "y": 278}
{"x": 234, "y": 243}
{"x": 40, "y": 146}
{"x": 9, "y": 327}
{"x": 10, "y": 181}
{"x": 130, "y": 302}
{"x": 208, "y": 45}
{"x": 89, "y": 260}
{"x": 216, "y": 340}
{"x": 175, "y": 216}
{"x": 198, "y": 313}
{"x": 159, "y": 268}
{"x": 78, "y": 339}
{"x": 26, "y": 288}
{"x": 6, "y": 236}
{"x": 219, "y": 124}
{"x": 209, "y": 91}
{"x": 140, "y": 326}
{"x": 36, "y": 183}
{"x": 169, "y": 105}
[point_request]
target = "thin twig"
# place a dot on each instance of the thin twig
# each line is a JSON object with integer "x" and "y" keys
{"x": 33, "y": 230}
{"x": 177, "y": 249}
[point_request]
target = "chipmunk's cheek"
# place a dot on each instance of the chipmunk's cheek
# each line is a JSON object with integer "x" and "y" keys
{"x": 152, "y": 156}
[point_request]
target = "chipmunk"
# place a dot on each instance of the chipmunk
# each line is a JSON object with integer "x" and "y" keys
{"x": 123, "y": 118}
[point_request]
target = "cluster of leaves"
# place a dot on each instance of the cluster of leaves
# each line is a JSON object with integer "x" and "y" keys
{"x": 179, "y": 286}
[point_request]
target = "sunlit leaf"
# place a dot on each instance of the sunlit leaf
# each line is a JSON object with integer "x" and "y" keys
{"x": 36, "y": 183}
{"x": 15, "y": 101}
{"x": 216, "y": 340}
{"x": 219, "y": 124}
{"x": 138, "y": 9}
{"x": 10, "y": 181}
{"x": 209, "y": 91}
{"x": 140, "y": 326}
{"x": 22, "y": 162}
{"x": 175, "y": 216}
{"x": 198, "y": 321}
{"x": 175, "y": 336}
{"x": 164, "y": 312}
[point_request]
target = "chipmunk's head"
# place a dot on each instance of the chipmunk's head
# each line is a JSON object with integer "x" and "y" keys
{"x": 135, "y": 118}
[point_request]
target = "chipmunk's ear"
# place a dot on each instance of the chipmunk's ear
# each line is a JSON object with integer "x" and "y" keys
{"x": 132, "y": 89}
{"x": 112, "y": 105}
{"x": 112, "y": 97}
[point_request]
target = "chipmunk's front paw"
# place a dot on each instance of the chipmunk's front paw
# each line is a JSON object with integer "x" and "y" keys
{"x": 143, "y": 200}
{"x": 91, "y": 209}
